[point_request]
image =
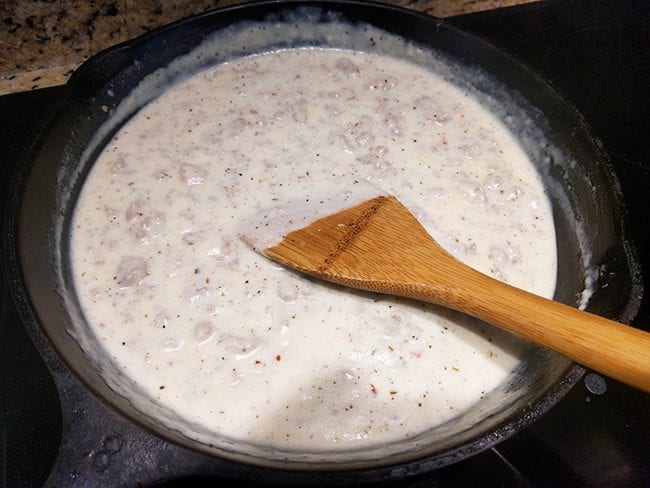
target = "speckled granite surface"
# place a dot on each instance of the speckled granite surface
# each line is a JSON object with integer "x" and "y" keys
{"x": 42, "y": 42}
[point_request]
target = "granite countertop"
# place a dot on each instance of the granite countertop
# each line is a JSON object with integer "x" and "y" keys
{"x": 43, "y": 42}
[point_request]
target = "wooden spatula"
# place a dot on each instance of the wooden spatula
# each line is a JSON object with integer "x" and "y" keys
{"x": 379, "y": 246}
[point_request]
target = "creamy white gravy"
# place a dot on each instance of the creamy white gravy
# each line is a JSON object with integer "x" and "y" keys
{"x": 245, "y": 349}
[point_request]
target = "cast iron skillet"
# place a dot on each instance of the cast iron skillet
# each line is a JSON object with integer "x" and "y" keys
{"x": 581, "y": 174}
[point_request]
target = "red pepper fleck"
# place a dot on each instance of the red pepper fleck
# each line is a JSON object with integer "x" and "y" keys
{"x": 373, "y": 389}
{"x": 257, "y": 361}
{"x": 278, "y": 357}
{"x": 207, "y": 280}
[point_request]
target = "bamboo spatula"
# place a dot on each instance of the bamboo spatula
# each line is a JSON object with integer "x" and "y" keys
{"x": 379, "y": 246}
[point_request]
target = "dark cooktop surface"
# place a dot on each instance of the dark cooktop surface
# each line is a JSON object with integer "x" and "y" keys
{"x": 52, "y": 431}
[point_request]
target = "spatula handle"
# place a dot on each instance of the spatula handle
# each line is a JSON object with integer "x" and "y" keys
{"x": 609, "y": 347}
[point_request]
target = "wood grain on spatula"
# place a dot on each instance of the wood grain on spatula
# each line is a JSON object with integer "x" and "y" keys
{"x": 379, "y": 246}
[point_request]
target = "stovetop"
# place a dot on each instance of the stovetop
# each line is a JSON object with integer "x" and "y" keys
{"x": 53, "y": 432}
